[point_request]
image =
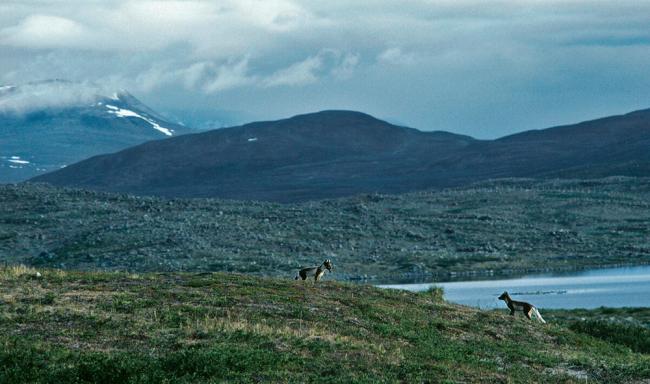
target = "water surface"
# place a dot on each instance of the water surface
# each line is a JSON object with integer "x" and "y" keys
{"x": 606, "y": 287}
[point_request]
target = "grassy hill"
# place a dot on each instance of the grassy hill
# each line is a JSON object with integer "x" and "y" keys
{"x": 215, "y": 327}
{"x": 504, "y": 226}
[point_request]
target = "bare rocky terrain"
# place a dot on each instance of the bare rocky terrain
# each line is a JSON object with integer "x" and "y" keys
{"x": 495, "y": 227}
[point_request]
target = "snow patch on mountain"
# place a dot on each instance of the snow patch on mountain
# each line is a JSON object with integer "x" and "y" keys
{"x": 15, "y": 161}
{"x": 120, "y": 112}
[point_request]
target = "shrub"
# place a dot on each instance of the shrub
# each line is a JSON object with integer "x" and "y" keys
{"x": 436, "y": 293}
{"x": 635, "y": 337}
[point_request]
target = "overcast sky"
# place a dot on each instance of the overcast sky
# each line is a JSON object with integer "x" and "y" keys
{"x": 483, "y": 68}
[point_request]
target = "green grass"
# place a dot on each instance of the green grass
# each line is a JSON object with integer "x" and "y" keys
{"x": 218, "y": 327}
{"x": 627, "y": 316}
{"x": 635, "y": 337}
{"x": 629, "y": 327}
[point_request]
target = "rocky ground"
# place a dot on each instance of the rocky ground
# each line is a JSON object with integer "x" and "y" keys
{"x": 498, "y": 227}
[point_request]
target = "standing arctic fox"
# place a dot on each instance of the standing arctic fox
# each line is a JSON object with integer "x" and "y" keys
{"x": 527, "y": 308}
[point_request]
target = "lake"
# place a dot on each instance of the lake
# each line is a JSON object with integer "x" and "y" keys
{"x": 607, "y": 287}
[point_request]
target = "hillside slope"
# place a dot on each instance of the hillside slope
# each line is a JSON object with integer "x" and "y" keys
{"x": 187, "y": 328}
{"x": 614, "y": 145}
{"x": 320, "y": 155}
{"x": 341, "y": 153}
{"x": 495, "y": 227}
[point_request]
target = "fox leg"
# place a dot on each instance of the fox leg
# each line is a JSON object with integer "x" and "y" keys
{"x": 527, "y": 313}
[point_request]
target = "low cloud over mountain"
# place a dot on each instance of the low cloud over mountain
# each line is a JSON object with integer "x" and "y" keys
{"x": 484, "y": 69}
{"x": 48, "y": 125}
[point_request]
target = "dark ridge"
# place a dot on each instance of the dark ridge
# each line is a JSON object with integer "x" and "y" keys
{"x": 338, "y": 153}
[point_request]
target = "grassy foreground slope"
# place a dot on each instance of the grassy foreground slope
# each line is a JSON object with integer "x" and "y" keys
{"x": 505, "y": 226}
{"x": 625, "y": 326}
{"x": 153, "y": 328}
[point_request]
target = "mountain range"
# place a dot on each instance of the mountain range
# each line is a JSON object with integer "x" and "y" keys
{"x": 331, "y": 154}
{"x": 47, "y": 125}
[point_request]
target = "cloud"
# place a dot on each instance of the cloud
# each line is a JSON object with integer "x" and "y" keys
{"x": 395, "y": 56}
{"x": 213, "y": 29}
{"x": 512, "y": 61}
{"x": 50, "y": 94}
{"x": 216, "y": 77}
{"x": 301, "y": 73}
{"x": 193, "y": 75}
{"x": 326, "y": 63}
{"x": 208, "y": 77}
{"x": 272, "y": 15}
{"x": 227, "y": 76}
{"x": 44, "y": 31}
{"x": 345, "y": 69}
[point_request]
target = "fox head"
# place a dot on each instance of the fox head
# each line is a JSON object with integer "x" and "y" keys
{"x": 504, "y": 295}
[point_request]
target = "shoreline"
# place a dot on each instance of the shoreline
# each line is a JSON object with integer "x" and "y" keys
{"x": 478, "y": 275}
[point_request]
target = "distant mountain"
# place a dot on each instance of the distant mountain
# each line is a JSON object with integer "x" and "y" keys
{"x": 338, "y": 153}
{"x": 48, "y": 125}
{"x": 325, "y": 154}
{"x": 610, "y": 146}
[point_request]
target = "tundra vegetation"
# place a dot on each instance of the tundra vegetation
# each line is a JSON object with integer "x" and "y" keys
{"x": 498, "y": 227}
{"x": 118, "y": 327}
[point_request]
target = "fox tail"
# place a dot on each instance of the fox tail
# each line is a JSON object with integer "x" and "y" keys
{"x": 538, "y": 315}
